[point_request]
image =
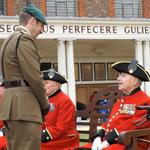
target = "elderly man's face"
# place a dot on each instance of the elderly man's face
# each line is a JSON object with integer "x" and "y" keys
{"x": 50, "y": 86}
{"x": 127, "y": 82}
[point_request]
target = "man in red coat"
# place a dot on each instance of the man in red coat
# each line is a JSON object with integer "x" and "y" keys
{"x": 59, "y": 129}
{"x": 2, "y": 142}
{"x": 124, "y": 115}
{"x": 2, "y": 137}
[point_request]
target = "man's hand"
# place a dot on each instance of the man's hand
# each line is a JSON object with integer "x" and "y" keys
{"x": 96, "y": 143}
{"x": 100, "y": 133}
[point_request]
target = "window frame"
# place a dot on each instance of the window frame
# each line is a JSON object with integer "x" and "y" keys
{"x": 108, "y": 72}
{"x": 104, "y": 71}
{"x": 77, "y": 71}
{"x": 55, "y": 66}
{"x": 91, "y": 64}
{"x": 123, "y": 7}
{"x": 1, "y": 7}
{"x": 55, "y": 6}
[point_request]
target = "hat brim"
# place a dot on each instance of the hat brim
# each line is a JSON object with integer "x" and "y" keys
{"x": 140, "y": 72}
{"x": 55, "y": 77}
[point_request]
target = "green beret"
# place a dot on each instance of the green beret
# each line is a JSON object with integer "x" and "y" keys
{"x": 53, "y": 75}
{"x": 35, "y": 12}
{"x": 132, "y": 68}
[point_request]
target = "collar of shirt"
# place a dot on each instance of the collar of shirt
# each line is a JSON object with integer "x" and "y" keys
{"x": 55, "y": 93}
{"x": 135, "y": 90}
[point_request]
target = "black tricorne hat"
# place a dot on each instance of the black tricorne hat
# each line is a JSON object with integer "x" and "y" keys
{"x": 51, "y": 74}
{"x": 132, "y": 68}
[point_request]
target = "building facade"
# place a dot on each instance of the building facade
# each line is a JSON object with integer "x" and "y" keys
{"x": 84, "y": 37}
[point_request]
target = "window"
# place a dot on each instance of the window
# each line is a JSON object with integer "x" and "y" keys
{"x": 76, "y": 68}
{"x": 61, "y": 8}
{"x": 55, "y": 66}
{"x": 112, "y": 73}
{"x": 28, "y": 2}
{"x": 86, "y": 72}
{"x": 99, "y": 71}
{"x": 45, "y": 66}
{"x": 1, "y": 7}
{"x": 128, "y": 8}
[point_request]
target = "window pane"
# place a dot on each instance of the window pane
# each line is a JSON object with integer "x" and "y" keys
{"x": 1, "y": 7}
{"x": 112, "y": 73}
{"x": 45, "y": 66}
{"x": 61, "y": 8}
{"x": 55, "y": 66}
{"x": 86, "y": 72}
{"x": 51, "y": 10}
{"x": 128, "y": 8}
{"x": 99, "y": 71}
{"x": 76, "y": 67}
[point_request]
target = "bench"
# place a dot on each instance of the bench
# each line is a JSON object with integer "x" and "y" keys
{"x": 95, "y": 119}
{"x": 130, "y": 138}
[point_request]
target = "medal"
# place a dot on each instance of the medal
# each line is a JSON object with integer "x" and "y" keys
{"x": 128, "y": 109}
{"x": 52, "y": 107}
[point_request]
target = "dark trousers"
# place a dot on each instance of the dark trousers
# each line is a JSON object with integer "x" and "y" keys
{"x": 23, "y": 135}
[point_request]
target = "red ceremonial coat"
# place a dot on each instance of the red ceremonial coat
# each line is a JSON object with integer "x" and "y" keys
{"x": 1, "y": 124}
{"x": 60, "y": 122}
{"x": 125, "y": 121}
{"x": 3, "y": 143}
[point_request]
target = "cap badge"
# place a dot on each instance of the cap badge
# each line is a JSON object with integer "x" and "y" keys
{"x": 131, "y": 71}
{"x": 132, "y": 66}
{"x": 51, "y": 73}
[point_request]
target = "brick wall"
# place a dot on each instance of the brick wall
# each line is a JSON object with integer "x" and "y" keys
{"x": 86, "y": 8}
{"x": 96, "y": 8}
{"x": 105, "y": 8}
{"x": 43, "y": 6}
{"x": 9, "y": 7}
{"x": 18, "y": 5}
{"x": 81, "y": 8}
{"x": 14, "y": 6}
{"x": 111, "y": 8}
{"x": 146, "y": 8}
